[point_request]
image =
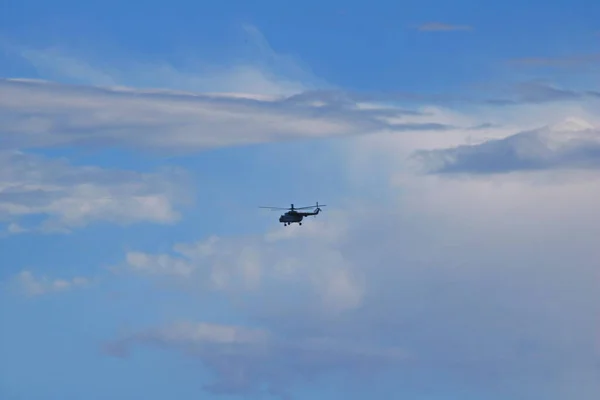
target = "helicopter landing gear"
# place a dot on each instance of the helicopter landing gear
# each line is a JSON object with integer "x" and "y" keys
{"x": 299, "y": 223}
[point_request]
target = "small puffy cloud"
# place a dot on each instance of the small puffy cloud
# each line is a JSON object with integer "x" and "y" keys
{"x": 14, "y": 229}
{"x": 33, "y": 285}
{"x": 71, "y": 196}
{"x": 160, "y": 265}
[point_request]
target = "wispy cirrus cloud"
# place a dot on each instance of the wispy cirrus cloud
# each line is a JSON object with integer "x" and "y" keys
{"x": 559, "y": 62}
{"x": 256, "y": 69}
{"x": 443, "y": 27}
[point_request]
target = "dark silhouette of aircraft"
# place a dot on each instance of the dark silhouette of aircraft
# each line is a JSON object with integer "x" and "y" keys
{"x": 293, "y": 216}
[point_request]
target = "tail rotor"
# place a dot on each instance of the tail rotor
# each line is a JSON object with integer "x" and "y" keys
{"x": 318, "y": 209}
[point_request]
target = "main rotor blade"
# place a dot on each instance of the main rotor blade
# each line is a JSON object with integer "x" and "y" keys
{"x": 276, "y": 208}
{"x": 304, "y": 208}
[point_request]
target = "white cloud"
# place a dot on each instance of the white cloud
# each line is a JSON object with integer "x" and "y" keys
{"x": 248, "y": 266}
{"x": 72, "y": 196}
{"x": 378, "y": 153}
{"x": 37, "y": 286}
{"x": 47, "y": 114}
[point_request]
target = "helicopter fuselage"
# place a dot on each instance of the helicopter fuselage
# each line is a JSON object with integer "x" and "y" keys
{"x": 291, "y": 217}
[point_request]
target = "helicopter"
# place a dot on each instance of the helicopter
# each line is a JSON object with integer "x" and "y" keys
{"x": 293, "y": 216}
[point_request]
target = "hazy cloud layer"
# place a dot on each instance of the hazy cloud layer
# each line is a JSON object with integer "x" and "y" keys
{"x": 245, "y": 359}
{"x": 481, "y": 282}
{"x": 71, "y": 196}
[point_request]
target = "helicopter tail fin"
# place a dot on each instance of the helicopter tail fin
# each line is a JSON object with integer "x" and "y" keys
{"x": 317, "y": 208}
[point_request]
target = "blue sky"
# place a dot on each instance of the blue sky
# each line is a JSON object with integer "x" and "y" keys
{"x": 456, "y": 146}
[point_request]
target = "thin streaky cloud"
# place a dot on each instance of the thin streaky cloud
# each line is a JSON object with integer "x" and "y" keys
{"x": 39, "y": 115}
{"x": 442, "y": 27}
{"x": 563, "y": 62}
